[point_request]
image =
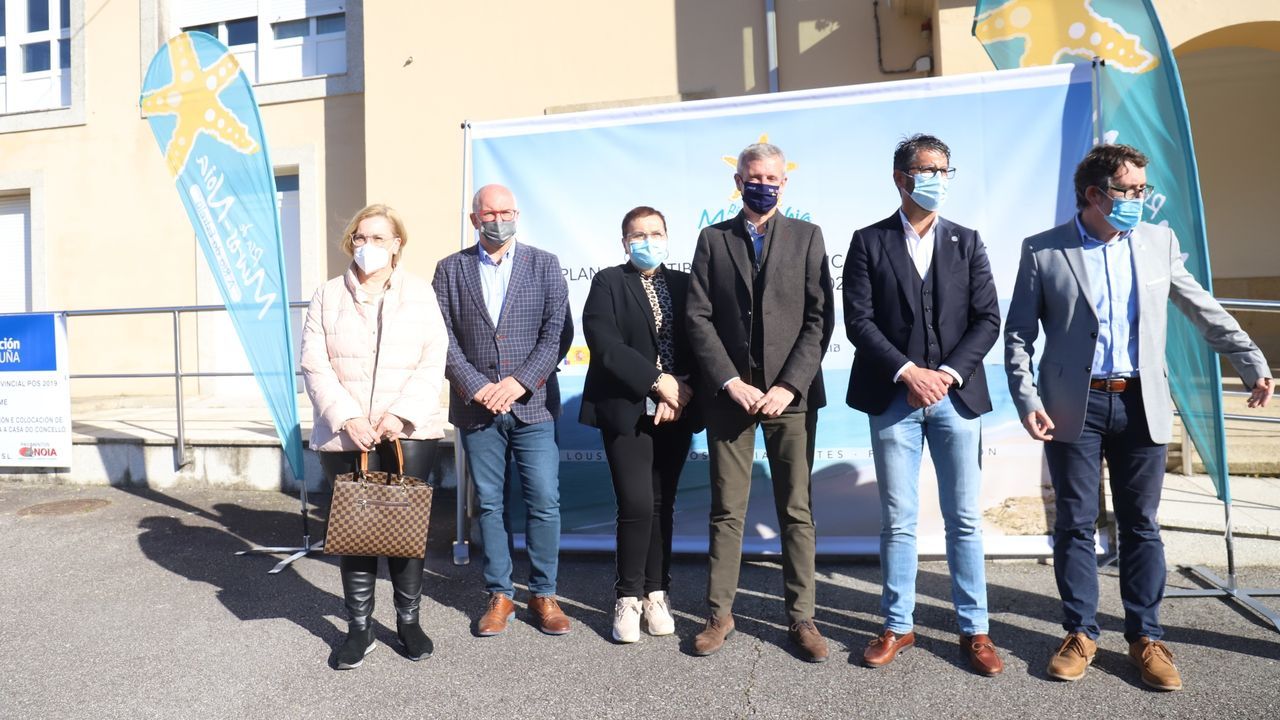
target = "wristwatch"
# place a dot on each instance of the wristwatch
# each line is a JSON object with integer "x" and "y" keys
{"x": 654, "y": 386}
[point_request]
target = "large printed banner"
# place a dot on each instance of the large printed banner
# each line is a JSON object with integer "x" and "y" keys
{"x": 205, "y": 118}
{"x": 1015, "y": 139}
{"x": 1141, "y": 104}
{"x": 35, "y": 391}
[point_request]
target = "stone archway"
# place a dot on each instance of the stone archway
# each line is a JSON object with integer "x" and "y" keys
{"x": 1230, "y": 76}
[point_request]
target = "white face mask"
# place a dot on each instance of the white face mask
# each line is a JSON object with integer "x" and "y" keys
{"x": 372, "y": 258}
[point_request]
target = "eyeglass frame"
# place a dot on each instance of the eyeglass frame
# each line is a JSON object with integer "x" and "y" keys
{"x": 498, "y": 215}
{"x": 930, "y": 172}
{"x": 636, "y": 237}
{"x": 358, "y": 240}
{"x": 1142, "y": 193}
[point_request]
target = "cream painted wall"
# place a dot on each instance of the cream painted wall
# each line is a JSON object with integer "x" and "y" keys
{"x": 428, "y": 68}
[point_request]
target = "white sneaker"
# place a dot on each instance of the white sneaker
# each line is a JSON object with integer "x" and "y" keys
{"x": 626, "y": 620}
{"x": 657, "y": 614}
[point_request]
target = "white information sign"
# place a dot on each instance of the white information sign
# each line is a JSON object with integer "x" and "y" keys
{"x": 35, "y": 392}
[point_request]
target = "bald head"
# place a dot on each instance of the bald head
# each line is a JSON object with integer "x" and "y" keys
{"x": 493, "y": 197}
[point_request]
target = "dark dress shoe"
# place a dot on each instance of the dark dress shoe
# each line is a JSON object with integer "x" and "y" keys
{"x": 551, "y": 619}
{"x": 982, "y": 654}
{"x": 813, "y": 647}
{"x": 496, "y": 617}
{"x": 883, "y": 649}
{"x": 712, "y": 638}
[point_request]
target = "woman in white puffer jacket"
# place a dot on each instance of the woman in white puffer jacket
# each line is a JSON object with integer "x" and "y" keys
{"x": 373, "y": 356}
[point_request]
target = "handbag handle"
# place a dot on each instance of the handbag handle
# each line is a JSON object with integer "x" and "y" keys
{"x": 364, "y": 462}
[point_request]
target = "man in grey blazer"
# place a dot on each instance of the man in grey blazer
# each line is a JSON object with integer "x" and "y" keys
{"x": 504, "y": 305}
{"x": 759, "y": 320}
{"x": 1100, "y": 286}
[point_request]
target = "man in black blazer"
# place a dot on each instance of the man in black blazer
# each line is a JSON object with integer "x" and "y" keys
{"x": 920, "y": 307}
{"x": 759, "y": 320}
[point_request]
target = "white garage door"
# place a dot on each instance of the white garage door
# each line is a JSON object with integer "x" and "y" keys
{"x": 15, "y": 254}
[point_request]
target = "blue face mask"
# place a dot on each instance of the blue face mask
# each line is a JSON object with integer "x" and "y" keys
{"x": 1125, "y": 214}
{"x": 647, "y": 254}
{"x": 929, "y": 192}
{"x": 760, "y": 198}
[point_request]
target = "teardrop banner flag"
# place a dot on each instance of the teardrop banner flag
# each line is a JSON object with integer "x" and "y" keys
{"x": 1141, "y": 104}
{"x": 202, "y": 111}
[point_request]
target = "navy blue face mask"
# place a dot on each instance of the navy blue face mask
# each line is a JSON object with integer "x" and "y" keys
{"x": 759, "y": 197}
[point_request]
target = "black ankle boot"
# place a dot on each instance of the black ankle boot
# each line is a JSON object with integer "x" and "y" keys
{"x": 416, "y": 643}
{"x": 359, "y": 643}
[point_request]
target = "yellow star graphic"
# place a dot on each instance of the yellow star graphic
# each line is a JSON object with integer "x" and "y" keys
{"x": 193, "y": 97}
{"x": 1052, "y": 29}
{"x": 732, "y": 161}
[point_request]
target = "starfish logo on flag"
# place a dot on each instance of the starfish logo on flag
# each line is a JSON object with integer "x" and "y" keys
{"x": 1052, "y": 29}
{"x": 192, "y": 96}
{"x": 732, "y": 161}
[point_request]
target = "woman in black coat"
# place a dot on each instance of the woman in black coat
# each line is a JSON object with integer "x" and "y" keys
{"x": 637, "y": 392}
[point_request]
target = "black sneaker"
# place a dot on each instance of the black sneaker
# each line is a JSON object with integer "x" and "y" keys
{"x": 416, "y": 643}
{"x": 358, "y": 644}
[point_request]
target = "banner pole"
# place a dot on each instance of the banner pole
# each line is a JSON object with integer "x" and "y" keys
{"x": 461, "y": 542}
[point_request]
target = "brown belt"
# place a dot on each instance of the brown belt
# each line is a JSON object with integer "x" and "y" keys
{"x": 1112, "y": 385}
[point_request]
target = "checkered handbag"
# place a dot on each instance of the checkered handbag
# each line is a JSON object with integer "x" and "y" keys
{"x": 378, "y": 513}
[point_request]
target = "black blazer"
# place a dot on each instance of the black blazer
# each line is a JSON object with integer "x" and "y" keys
{"x": 617, "y": 321}
{"x": 798, "y": 306}
{"x": 878, "y": 314}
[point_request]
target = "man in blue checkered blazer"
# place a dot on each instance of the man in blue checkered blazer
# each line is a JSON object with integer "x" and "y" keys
{"x": 504, "y": 305}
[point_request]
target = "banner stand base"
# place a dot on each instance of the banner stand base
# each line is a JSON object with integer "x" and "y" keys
{"x": 1228, "y": 589}
{"x": 295, "y": 553}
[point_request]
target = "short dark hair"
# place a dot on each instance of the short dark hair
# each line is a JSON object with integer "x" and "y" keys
{"x": 1101, "y": 164}
{"x": 908, "y": 148}
{"x": 636, "y": 213}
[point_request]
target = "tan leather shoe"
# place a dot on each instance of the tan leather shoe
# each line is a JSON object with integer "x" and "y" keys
{"x": 551, "y": 619}
{"x": 982, "y": 654}
{"x": 1156, "y": 662}
{"x": 496, "y": 617}
{"x": 813, "y": 647}
{"x": 1072, "y": 658}
{"x": 882, "y": 650}
{"x": 712, "y": 638}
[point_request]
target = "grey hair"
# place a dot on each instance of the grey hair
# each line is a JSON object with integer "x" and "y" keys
{"x": 759, "y": 151}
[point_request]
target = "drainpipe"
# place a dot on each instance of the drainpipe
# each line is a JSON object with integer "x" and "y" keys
{"x": 771, "y": 37}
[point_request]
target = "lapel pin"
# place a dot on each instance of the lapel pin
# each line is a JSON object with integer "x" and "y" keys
{"x": 955, "y": 239}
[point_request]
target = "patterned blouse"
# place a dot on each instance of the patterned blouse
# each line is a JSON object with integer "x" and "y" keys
{"x": 655, "y": 286}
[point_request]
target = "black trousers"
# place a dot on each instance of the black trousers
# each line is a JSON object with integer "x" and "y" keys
{"x": 645, "y": 463}
{"x": 359, "y": 573}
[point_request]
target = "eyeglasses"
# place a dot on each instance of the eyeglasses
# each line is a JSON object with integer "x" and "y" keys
{"x": 503, "y": 215}
{"x": 358, "y": 240}
{"x": 1132, "y": 193}
{"x": 929, "y": 172}
{"x": 636, "y": 237}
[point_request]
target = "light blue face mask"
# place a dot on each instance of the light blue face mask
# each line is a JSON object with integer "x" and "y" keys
{"x": 930, "y": 192}
{"x": 1125, "y": 214}
{"x": 647, "y": 254}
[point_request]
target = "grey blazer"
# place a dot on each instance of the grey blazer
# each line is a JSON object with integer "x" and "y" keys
{"x": 1052, "y": 291}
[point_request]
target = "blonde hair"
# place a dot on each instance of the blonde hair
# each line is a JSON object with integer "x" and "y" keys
{"x": 376, "y": 210}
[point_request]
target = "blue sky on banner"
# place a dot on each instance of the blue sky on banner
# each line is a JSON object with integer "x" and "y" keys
{"x": 202, "y": 111}
{"x": 1142, "y": 104}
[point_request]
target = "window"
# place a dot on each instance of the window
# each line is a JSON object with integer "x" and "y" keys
{"x": 285, "y": 40}
{"x": 34, "y": 74}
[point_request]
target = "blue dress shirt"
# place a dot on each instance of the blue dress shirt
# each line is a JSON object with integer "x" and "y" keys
{"x": 494, "y": 279}
{"x": 757, "y": 239}
{"x": 1110, "y": 269}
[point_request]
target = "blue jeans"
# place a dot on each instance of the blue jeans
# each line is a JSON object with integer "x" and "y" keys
{"x": 533, "y": 448}
{"x": 955, "y": 443}
{"x": 1115, "y": 427}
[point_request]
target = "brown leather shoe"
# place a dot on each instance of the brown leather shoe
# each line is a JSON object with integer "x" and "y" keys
{"x": 982, "y": 654}
{"x": 1156, "y": 662}
{"x": 712, "y": 638}
{"x": 496, "y": 617}
{"x": 1072, "y": 658}
{"x": 813, "y": 647}
{"x": 882, "y": 650}
{"x": 551, "y": 619}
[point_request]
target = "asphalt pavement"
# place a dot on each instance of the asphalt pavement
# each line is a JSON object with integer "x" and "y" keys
{"x": 129, "y": 603}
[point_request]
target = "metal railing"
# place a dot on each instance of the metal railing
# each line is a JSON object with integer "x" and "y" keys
{"x": 178, "y": 374}
{"x": 180, "y": 455}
